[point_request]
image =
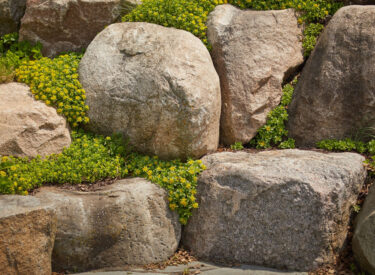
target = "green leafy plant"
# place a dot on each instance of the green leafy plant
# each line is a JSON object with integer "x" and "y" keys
{"x": 6, "y": 71}
{"x": 23, "y": 49}
{"x": 191, "y": 15}
{"x": 355, "y": 270}
{"x": 55, "y": 81}
{"x": 7, "y": 41}
{"x": 274, "y": 132}
{"x": 311, "y": 33}
{"x": 237, "y": 146}
{"x": 356, "y": 208}
{"x": 88, "y": 159}
{"x": 371, "y": 147}
{"x": 344, "y": 145}
{"x": 12, "y": 53}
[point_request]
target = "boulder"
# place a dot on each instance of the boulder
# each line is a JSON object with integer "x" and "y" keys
{"x": 11, "y": 12}
{"x": 334, "y": 97}
{"x": 27, "y": 234}
{"x": 359, "y": 2}
{"x": 155, "y": 85}
{"x": 364, "y": 235}
{"x": 285, "y": 209}
{"x": 253, "y": 52}
{"x": 29, "y": 127}
{"x": 128, "y": 222}
{"x": 68, "y": 25}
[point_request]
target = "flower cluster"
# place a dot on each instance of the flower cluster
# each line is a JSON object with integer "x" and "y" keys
{"x": 178, "y": 178}
{"x": 191, "y": 15}
{"x": 55, "y": 81}
{"x": 274, "y": 133}
{"x": 89, "y": 159}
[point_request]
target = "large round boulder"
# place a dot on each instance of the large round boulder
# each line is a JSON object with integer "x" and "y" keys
{"x": 253, "y": 52}
{"x": 287, "y": 209}
{"x": 29, "y": 127}
{"x": 334, "y": 97}
{"x": 27, "y": 235}
{"x": 157, "y": 86}
{"x": 126, "y": 223}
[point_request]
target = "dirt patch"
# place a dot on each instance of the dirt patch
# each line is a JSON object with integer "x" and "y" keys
{"x": 83, "y": 187}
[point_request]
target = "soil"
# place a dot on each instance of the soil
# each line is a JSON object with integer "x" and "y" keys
{"x": 83, "y": 187}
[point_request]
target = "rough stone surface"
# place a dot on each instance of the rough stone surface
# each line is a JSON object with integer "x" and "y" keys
{"x": 68, "y": 25}
{"x": 364, "y": 235}
{"x": 202, "y": 268}
{"x": 335, "y": 95}
{"x": 128, "y": 222}
{"x": 11, "y": 12}
{"x": 360, "y": 2}
{"x": 29, "y": 127}
{"x": 253, "y": 52}
{"x": 27, "y": 234}
{"x": 285, "y": 209}
{"x": 155, "y": 85}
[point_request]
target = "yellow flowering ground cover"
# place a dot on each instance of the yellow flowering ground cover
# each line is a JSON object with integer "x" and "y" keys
{"x": 91, "y": 158}
{"x": 178, "y": 178}
{"x": 55, "y": 81}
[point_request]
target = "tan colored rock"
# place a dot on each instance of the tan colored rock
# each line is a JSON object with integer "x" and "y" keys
{"x": 128, "y": 222}
{"x": 27, "y": 234}
{"x": 359, "y": 2}
{"x": 11, "y": 12}
{"x": 68, "y": 25}
{"x": 29, "y": 127}
{"x": 155, "y": 85}
{"x": 364, "y": 235}
{"x": 253, "y": 52}
{"x": 334, "y": 97}
{"x": 286, "y": 209}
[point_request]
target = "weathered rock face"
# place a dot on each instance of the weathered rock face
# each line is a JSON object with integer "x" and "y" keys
{"x": 27, "y": 234}
{"x": 360, "y": 2}
{"x": 68, "y": 25}
{"x": 253, "y": 52}
{"x": 11, "y": 12}
{"x": 334, "y": 97}
{"x": 128, "y": 222}
{"x": 364, "y": 235}
{"x": 29, "y": 127}
{"x": 155, "y": 85}
{"x": 286, "y": 209}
